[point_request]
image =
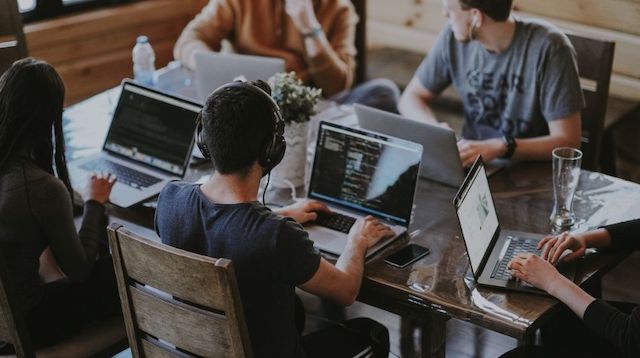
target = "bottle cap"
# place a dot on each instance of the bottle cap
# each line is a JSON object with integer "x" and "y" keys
{"x": 142, "y": 39}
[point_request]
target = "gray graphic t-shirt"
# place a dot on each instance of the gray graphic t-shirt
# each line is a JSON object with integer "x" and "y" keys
{"x": 516, "y": 92}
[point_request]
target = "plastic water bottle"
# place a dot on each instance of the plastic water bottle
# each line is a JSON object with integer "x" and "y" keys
{"x": 144, "y": 59}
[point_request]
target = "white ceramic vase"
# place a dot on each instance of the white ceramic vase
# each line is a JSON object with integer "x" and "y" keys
{"x": 293, "y": 165}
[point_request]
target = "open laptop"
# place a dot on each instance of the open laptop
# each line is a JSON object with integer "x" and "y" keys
{"x": 359, "y": 173}
{"x": 149, "y": 143}
{"x": 214, "y": 69}
{"x": 440, "y": 156}
{"x": 488, "y": 246}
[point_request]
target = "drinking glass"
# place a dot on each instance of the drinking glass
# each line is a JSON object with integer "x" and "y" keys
{"x": 566, "y": 172}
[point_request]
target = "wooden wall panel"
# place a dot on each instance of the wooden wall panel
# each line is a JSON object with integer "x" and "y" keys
{"x": 92, "y": 50}
{"x": 620, "y": 15}
{"x": 414, "y": 25}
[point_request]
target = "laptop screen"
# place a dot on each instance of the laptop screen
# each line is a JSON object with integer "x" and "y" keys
{"x": 369, "y": 172}
{"x": 477, "y": 214}
{"x": 152, "y": 128}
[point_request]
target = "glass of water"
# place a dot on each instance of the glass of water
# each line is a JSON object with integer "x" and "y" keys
{"x": 566, "y": 172}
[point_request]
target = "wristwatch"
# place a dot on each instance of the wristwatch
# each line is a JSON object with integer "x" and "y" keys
{"x": 511, "y": 144}
{"x": 313, "y": 33}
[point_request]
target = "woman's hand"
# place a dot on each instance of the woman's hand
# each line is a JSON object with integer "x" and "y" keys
{"x": 99, "y": 186}
{"x": 535, "y": 271}
{"x": 553, "y": 247}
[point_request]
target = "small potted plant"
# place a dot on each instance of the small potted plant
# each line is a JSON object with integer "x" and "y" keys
{"x": 297, "y": 104}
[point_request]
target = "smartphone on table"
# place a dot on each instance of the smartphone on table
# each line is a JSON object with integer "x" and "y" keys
{"x": 407, "y": 255}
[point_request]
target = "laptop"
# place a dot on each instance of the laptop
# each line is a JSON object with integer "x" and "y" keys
{"x": 358, "y": 173}
{"x": 488, "y": 247}
{"x": 148, "y": 144}
{"x": 214, "y": 69}
{"x": 440, "y": 158}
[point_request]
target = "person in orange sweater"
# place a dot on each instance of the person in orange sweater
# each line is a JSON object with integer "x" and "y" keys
{"x": 314, "y": 37}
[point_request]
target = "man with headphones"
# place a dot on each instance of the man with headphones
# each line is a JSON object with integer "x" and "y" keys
{"x": 240, "y": 129}
{"x": 518, "y": 80}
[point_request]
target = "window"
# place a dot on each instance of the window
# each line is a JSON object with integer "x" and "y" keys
{"x": 42, "y": 9}
{"x": 26, "y": 5}
{"x": 74, "y": 2}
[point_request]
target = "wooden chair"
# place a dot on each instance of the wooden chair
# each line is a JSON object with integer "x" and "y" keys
{"x": 103, "y": 340}
{"x": 177, "y": 303}
{"x": 361, "y": 41}
{"x": 595, "y": 60}
{"x": 12, "y": 42}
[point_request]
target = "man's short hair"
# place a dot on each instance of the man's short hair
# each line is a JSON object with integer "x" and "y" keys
{"x": 498, "y": 10}
{"x": 236, "y": 126}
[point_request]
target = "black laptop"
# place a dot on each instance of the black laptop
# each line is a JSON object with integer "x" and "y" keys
{"x": 489, "y": 247}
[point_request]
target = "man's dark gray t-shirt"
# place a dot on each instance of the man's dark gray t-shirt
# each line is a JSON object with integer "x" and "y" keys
{"x": 271, "y": 256}
{"x": 515, "y": 92}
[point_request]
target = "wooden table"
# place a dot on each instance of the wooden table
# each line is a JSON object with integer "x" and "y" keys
{"x": 439, "y": 286}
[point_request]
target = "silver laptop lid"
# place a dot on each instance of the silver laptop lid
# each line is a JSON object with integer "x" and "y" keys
{"x": 477, "y": 216}
{"x": 440, "y": 158}
{"x": 153, "y": 129}
{"x": 365, "y": 171}
{"x": 215, "y": 69}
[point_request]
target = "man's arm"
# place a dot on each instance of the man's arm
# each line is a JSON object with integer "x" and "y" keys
{"x": 341, "y": 283}
{"x": 331, "y": 60}
{"x": 563, "y": 132}
{"x": 205, "y": 32}
{"x": 414, "y": 102}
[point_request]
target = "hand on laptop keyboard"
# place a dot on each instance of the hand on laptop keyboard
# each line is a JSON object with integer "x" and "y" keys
{"x": 304, "y": 211}
{"x": 534, "y": 270}
{"x": 368, "y": 231}
{"x": 553, "y": 247}
{"x": 99, "y": 186}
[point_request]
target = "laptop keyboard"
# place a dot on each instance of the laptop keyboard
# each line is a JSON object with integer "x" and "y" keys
{"x": 335, "y": 221}
{"x": 125, "y": 175}
{"x": 516, "y": 246}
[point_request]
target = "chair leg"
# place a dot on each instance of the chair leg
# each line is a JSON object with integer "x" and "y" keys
{"x": 608, "y": 153}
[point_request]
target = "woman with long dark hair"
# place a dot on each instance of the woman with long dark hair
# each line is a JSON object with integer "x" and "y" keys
{"x": 36, "y": 210}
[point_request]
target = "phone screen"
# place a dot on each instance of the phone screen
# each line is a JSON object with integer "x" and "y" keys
{"x": 407, "y": 255}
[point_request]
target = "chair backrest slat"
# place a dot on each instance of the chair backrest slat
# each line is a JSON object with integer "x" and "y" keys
{"x": 197, "y": 331}
{"x": 595, "y": 61}
{"x": 159, "y": 266}
{"x": 13, "y": 45}
{"x": 155, "y": 349}
{"x": 361, "y": 41}
{"x": 176, "y": 301}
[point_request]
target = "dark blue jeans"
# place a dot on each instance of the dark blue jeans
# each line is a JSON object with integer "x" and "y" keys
{"x": 378, "y": 93}
{"x": 347, "y": 339}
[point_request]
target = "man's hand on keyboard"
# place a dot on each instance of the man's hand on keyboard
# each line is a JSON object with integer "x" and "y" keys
{"x": 99, "y": 186}
{"x": 303, "y": 210}
{"x": 368, "y": 231}
{"x": 554, "y": 246}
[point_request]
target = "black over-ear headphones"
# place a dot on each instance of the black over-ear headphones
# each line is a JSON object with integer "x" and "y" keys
{"x": 273, "y": 149}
